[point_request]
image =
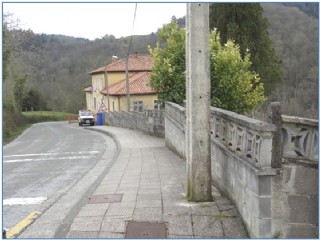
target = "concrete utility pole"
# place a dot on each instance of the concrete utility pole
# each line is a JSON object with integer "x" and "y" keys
{"x": 127, "y": 82}
{"x": 106, "y": 82}
{"x": 198, "y": 144}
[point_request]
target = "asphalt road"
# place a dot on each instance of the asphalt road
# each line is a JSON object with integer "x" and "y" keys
{"x": 44, "y": 163}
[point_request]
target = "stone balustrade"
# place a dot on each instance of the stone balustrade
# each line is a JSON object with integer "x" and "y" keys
{"x": 249, "y": 138}
{"x": 300, "y": 138}
{"x": 148, "y": 121}
{"x": 176, "y": 114}
{"x": 155, "y": 113}
{"x": 269, "y": 170}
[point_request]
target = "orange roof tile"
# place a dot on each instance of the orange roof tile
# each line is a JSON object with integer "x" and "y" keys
{"x": 136, "y": 63}
{"x": 139, "y": 83}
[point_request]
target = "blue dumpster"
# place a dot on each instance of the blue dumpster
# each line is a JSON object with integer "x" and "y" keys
{"x": 100, "y": 119}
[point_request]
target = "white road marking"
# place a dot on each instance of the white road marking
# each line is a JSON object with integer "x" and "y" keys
{"x": 24, "y": 201}
{"x": 45, "y": 159}
{"x": 50, "y": 154}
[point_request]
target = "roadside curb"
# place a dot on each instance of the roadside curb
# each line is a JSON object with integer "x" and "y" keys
{"x": 56, "y": 220}
{"x": 111, "y": 135}
{"x": 64, "y": 228}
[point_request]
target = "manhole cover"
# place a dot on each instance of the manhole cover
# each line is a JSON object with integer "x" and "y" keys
{"x": 146, "y": 230}
{"x": 106, "y": 198}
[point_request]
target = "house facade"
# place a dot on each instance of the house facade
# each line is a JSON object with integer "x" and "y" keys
{"x": 108, "y": 90}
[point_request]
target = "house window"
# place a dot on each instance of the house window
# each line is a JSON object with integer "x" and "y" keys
{"x": 156, "y": 104}
{"x": 113, "y": 106}
{"x": 95, "y": 103}
{"x": 138, "y": 106}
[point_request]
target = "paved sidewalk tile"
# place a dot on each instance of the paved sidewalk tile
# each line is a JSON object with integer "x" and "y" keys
{"x": 80, "y": 234}
{"x": 152, "y": 180}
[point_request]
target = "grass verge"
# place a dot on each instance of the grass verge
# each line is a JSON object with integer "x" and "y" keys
{"x": 10, "y": 135}
{"x": 14, "y": 126}
{"x": 45, "y": 116}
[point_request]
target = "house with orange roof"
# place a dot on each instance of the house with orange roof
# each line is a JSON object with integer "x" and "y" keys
{"x": 108, "y": 91}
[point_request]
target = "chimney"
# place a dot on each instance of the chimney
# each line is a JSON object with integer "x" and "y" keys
{"x": 114, "y": 58}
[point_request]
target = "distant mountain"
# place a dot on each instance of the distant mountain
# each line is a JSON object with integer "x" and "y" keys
{"x": 57, "y": 66}
{"x": 311, "y": 9}
{"x": 295, "y": 35}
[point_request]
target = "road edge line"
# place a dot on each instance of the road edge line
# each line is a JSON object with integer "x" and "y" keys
{"x": 18, "y": 228}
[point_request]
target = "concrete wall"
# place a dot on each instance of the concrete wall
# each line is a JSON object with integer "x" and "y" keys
{"x": 247, "y": 186}
{"x": 241, "y": 166}
{"x": 149, "y": 121}
{"x": 114, "y": 77}
{"x": 295, "y": 201}
{"x": 114, "y": 103}
{"x": 273, "y": 202}
{"x": 120, "y": 102}
{"x": 98, "y": 82}
{"x": 175, "y": 121}
{"x": 295, "y": 196}
{"x": 89, "y": 101}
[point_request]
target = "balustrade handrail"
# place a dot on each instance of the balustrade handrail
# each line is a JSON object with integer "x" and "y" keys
{"x": 244, "y": 121}
{"x": 300, "y": 120}
{"x": 176, "y": 116}
{"x": 246, "y": 137}
{"x": 154, "y": 113}
{"x": 175, "y": 105}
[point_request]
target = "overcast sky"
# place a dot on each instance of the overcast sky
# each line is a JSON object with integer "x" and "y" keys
{"x": 94, "y": 20}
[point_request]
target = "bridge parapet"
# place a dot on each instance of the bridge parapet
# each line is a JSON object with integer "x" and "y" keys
{"x": 270, "y": 170}
{"x": 300, "y": 138}
{"x": 176, "y": 114}
{"x": 149, "y": 121}
{"x": 248, "y": 138}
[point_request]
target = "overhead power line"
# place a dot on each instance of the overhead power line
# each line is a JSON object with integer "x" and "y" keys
{"x": 127, "y": 58}
{"x": 134, "y": 19}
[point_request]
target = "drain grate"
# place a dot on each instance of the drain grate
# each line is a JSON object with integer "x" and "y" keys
{"x": 106, "y": 198}
{"x": 146, "y": 230}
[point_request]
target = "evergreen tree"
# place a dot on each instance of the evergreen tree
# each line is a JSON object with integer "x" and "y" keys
{"x": 233, "y": 86}
{"x": 245, "y": 24}
{"x": 168, "y": 76}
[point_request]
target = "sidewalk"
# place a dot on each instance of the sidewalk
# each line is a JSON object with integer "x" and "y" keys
{"x": 147, "y": 184}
